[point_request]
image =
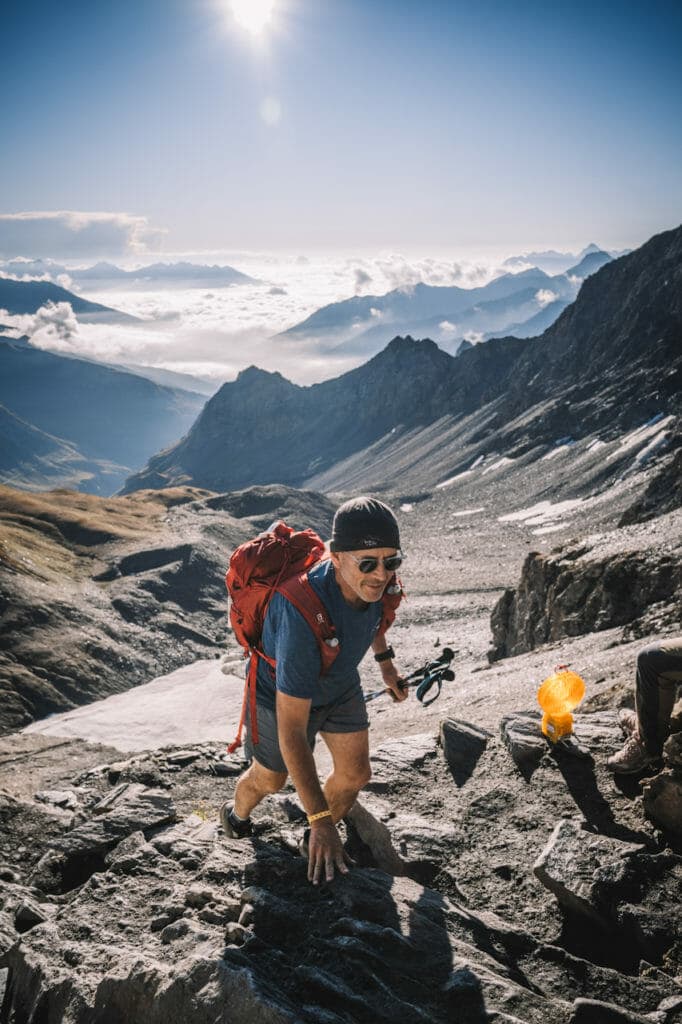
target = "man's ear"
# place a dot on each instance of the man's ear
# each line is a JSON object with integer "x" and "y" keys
{"x": 334, "y": 555}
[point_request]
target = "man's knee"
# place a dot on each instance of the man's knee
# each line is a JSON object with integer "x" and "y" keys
{"x": 357, "y": 777}
{"x": 265, "y": 779}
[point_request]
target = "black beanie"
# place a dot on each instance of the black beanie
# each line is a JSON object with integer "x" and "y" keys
{"x": 364, "y": 523}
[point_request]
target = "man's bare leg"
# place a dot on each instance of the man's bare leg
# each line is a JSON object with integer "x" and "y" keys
{"x": 350, "y": 754}
{"x": 256, "y": 782}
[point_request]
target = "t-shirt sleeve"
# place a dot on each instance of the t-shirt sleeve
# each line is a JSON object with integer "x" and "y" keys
{"x": 296, "y": 651}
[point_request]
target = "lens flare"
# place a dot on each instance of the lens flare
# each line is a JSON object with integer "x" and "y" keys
{"x": 252, "y": 15}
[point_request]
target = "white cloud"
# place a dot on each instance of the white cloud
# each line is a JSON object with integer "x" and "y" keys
{"x": 398, "y": 271}
{"x": 544, "y": 296}
{"x": 54, "y": 326}
{"x": 73, "y": 234}
{"x": 216, "y": 333}
{"x": 474, "y": 337}
{"x": 445, "y": 327}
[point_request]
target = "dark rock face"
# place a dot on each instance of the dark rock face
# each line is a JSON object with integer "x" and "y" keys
{"x": 590, "y": 587}
{"x": 278, "y": 431}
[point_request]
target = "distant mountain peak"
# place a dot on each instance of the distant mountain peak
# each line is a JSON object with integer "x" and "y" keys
{"x": 592, "y": 247}
{"x": 253, "y": 372}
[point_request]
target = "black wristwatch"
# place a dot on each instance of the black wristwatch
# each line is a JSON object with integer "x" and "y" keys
{"x": 385, "y": 655}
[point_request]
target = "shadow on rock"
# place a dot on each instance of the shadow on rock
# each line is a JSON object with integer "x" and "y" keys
{"x": 367, "y": 947}
{"x": 581, "y": 783}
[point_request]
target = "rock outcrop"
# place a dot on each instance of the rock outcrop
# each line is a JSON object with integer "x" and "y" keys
{"x": 609, "y": 580}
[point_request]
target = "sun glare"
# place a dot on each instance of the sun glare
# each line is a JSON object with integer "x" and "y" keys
{"x": 252, "y": 15}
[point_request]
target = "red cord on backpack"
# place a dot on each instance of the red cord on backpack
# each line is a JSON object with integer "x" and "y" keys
{"x": 278, "y": 561}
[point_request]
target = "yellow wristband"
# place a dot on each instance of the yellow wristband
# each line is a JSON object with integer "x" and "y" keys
{"x": 320, "y": 814}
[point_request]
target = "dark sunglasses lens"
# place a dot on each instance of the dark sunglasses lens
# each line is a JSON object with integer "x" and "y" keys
{"x": 367, "y": 565}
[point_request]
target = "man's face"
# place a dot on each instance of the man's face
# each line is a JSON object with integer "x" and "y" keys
{"x": 360, "y": 588}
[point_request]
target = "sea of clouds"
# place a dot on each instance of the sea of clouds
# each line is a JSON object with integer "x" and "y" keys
{"x": 215, "y": 332}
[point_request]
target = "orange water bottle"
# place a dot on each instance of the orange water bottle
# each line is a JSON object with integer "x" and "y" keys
{"x": 558, "y": 696}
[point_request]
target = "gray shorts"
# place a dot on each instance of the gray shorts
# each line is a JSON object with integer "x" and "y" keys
{"x": 349, "y": 716}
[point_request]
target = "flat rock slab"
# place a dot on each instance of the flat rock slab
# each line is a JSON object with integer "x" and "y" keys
{"x": 569, "y": 863}
{"x": 396, "y": 757}
{"x": 597, "y": 733}
{"x": 522, "y": 736}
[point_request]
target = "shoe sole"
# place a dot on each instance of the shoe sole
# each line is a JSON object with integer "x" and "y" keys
{"x": 617, "y": 770}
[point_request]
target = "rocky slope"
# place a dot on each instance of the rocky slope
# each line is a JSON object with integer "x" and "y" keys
{"x": 611, "y": 362}
{"x": 31, "y": 458}
{"x": 483, "y": 890}
{"x": 496, "y": 878}
{"x": 280, "y": 432}
{"x": 98, "y": 595}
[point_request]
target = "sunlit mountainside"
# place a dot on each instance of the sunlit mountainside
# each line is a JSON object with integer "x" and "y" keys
{"x": 609, "y": 363}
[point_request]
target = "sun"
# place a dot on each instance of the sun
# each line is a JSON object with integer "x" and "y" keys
{"x": 252, "y": 15}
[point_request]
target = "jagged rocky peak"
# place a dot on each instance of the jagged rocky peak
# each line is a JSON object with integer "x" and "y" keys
{"x": 254, "y": 373}
{"x": 411, "y": 348}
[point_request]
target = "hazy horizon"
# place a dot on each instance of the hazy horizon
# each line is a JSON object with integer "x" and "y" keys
{"x": 214, "y": 332}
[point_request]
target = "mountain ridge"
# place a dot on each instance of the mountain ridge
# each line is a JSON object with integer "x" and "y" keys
{"x": 27, "y": 297}
{"x": 113, "y": 418}
{"x": 577, "y": 368}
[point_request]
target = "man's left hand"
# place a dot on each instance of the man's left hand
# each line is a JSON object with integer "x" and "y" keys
{"x": 393, "y": 681}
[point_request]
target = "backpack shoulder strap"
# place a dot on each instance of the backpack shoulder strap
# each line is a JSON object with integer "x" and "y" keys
{"x": 393, "y": 595}
{"x": 299, "y": 592}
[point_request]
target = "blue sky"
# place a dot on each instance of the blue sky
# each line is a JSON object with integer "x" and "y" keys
{"x": 348, "y": 123}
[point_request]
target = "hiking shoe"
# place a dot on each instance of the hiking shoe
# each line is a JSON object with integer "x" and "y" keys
{"x": 632, "y": 758}
{"x": 232, "y": 827}
{"x": 627, "y": 720}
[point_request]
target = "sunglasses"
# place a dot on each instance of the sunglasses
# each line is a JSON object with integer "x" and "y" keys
{"x": 368, "y": 563}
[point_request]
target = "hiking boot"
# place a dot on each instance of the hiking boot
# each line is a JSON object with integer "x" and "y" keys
{"x": 632, "y": 758}
{"x": 627, "y": 720}
{"x": 232, "y": 826}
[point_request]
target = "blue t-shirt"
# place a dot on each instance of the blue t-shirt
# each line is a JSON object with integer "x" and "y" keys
{"x": 288, "y": 639}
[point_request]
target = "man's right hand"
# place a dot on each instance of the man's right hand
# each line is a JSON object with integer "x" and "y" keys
{"x": 325, "y": 852}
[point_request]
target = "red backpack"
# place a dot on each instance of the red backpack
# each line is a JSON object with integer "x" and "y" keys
{"x": 278, "y": 561}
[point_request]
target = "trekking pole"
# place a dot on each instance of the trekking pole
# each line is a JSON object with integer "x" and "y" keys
{"x": 434, "y": 673}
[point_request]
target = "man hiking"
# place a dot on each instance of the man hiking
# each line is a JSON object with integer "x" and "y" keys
{"x": 300, "y": 702}
{"x": 659, "y": 673}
